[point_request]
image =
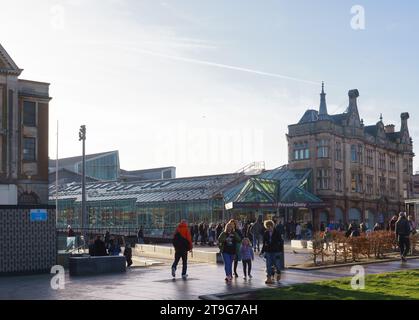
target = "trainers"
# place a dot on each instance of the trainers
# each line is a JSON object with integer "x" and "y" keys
{"x": 250, "y": 276}
{"x": 184, "y": 276}
{"x": 173, "y": 272}
{"x": 245, "y": 278}
{"x": 404, "y": 259}
{"x": 278, "y": 277}
{"x": 269, "y": 280}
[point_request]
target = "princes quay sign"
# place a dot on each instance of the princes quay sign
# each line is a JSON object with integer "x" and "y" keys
{"x": 273, "y": 205}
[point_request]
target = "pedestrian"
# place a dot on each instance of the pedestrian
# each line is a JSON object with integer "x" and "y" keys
{"x": 376, "y": 227}
{"x": 247, "y": 258}
{"x": 280, "y": 228}
{"x": 292, "y": 230}
{"x": 237, "y": 257}
{"x": 322, "y": 227}
{"x": 107, "y": 239}
{"x": 70, "y": 232}
{"x": 257, "y": 233}
{"x": 128, "y": 254}
{"x": 349, "y": 231}
{"x": 227, "y": 243}
{"x": 327, "y": 237}
{"x": 192, "y": 231}
{"x": 201, "y": 233}
{"x": 402, "y": 229}
{"x": 355, "y": 232}
{"x": 298, "y": 231}
{"x": 140, "y": 235}
{"x": 114, "y": 247}
{"x": 196, "y": 233}
{"x": 363, "y": 227}
{"x": 212, "y": 232}
{"x": 309, "y": 230}
{"x": 392, "y": 224}
{"x": 99, "y": 247}
{"x": 182, "y": 242}
{"x": 272, "y": 249}
{"x": 92, "y": 247}
{"x": 219, "y": 230}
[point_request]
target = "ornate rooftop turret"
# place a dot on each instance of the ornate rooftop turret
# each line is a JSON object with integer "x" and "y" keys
{"x": 323, "y": 106}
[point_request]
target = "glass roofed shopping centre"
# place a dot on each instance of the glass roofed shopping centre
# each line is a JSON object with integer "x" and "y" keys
{"x": 159, "y": 205}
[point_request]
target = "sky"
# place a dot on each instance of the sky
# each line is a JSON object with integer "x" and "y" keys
{"x": 209, "y": 86}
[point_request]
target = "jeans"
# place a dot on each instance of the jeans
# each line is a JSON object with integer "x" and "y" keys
{"x": 273, "y": 259}
{"x": 184, "y": 256}
{"x": 256, "y": 242}
{"x": 247, "y": 264}
{"x": 228, "y": 263}
{"x": 404, "y": 244}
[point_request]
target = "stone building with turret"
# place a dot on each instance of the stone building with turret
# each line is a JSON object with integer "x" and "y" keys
{"x": 363, "y": 173}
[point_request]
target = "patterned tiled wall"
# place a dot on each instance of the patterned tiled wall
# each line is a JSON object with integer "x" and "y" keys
{"x": 26, "y": 246}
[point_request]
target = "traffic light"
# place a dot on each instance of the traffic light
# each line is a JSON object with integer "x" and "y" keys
{"x": 82, "y": 133}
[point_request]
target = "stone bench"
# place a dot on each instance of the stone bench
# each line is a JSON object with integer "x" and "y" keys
{"x": 299, "y": 244}
{"x": 168, "y": 252}
{"x": 88, "y": 265}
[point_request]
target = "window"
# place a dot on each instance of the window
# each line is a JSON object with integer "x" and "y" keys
{"x": 301, "y": 151}
{"x": 338, "y": 151}
{"x": 392, "y": 163}
{"x": 323, "y": 179}
{"x": 323, "y": 149}
{"x": 393, "y": 189}
{"x": 410, "y": 167}
{"x": 354, "y": 154}
{"x": 357, "y": 182}
{"x": 370, "y": 158}
{"x": 370, "y": 184}
{"x": 339, "y": 180}
{"x": 29, "y": 114}
{"x": 29, "y": 149}
{"x": 360, "y": 154}
{"x": 383, "y": 186}
{"x": 382, "y": 161}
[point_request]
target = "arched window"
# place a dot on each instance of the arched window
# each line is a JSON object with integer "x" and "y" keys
{"x": 369, "y": 219}
{"x": 354, "y": 215}
{"x": 339, "y": 215}
{"x": 324, "y": 217}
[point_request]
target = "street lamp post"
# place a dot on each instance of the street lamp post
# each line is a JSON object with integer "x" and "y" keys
{"x": 82, "y": 137}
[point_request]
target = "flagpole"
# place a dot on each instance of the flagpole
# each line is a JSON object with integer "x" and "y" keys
{"x": 56, "y": 182}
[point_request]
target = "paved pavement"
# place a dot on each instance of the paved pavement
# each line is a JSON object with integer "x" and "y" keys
{"x": 156, "y": 283}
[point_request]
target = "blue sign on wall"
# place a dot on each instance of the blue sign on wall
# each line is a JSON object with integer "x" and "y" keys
{"x": 39, "y": 215}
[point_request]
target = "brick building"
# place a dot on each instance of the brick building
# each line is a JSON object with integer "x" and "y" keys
{"x": 23, "y": 136}
{"x": 363, "y": 173}
{"x": 27, "y": 222}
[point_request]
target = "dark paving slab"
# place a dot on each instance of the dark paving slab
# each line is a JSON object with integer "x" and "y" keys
{"x": 156, "y": 282}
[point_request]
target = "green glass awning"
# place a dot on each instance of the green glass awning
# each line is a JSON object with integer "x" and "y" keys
{"x": 281, "y": 187}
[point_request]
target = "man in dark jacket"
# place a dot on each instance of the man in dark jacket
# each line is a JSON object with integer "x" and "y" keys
{"x": 182, "y": 241}
{"x": 99, "y": 247}
{"x": 128, "y": 254}
{"x": 273, "y": 246}
{"x": 402, "y": 229}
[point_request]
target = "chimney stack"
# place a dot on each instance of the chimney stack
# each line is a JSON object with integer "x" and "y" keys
{"x": 390, "y": 128}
